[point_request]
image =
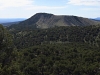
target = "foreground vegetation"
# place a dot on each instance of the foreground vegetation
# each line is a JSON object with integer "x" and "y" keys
{"x": 53, "y": 51}
{"x": 60, "y": 59}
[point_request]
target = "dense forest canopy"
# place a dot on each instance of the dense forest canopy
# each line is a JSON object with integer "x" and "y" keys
{"x": 7, "y": 51}
{"x": 69, "y": 34}
{"x": 71, "y": 50}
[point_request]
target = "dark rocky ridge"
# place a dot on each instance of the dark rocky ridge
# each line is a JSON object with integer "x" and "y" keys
{"x": 45, "y": 20}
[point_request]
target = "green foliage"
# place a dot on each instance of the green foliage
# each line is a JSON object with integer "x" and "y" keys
{"x": 55, "y": 51}
{"x": 7, "y": 51}
{"x": 60, "y": 59}
{"x": 27, "y": 38}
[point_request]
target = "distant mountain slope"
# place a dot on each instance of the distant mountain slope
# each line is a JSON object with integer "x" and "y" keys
{"x": 9, "y": 23}
{"x": 98, "y": 18}
{"x": 45, "y": 20}
{"x": 11, "y": 20}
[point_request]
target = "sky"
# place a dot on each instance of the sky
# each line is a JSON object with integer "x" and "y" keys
{"x": 27, "y": 8}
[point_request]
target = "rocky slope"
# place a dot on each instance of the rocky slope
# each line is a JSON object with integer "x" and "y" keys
{"x": 45, "y": 20}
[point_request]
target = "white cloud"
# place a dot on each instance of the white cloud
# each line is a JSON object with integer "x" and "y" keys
{"x": 91, "y": 9}
{"x": 14, "y": 3}
{"x": 85, "y": 2}
{"x": 34, "y": 7}
{"x": 26, "y": 4}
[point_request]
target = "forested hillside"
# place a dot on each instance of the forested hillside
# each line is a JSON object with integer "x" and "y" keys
{"x": 60, "y": 59}
{"x": 82, "y": 34}
{"x": 7, "y": 52}
{"x": 72, "y": 50}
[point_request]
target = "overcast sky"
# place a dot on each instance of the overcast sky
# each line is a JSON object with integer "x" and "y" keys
{"x": 27, "y": 8}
